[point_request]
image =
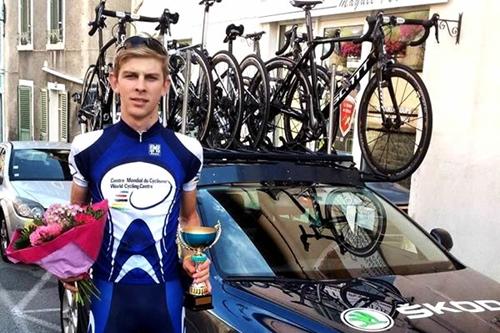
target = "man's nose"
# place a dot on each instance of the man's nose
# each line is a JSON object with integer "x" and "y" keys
{"x": 140, "y": 84}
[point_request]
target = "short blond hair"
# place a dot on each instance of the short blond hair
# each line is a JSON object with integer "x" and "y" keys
{"x": 140, "y": 51}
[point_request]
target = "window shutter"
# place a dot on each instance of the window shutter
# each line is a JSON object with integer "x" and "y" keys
{"x": 24, "y": 104}
{"x": 44, "y": 112}
{"x": 63, "y": 116}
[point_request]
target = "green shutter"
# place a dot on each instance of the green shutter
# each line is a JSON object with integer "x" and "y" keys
{"x": 44, "y": 112}
{"x": 24, "y": 96}
{"x": 63, "y": 115}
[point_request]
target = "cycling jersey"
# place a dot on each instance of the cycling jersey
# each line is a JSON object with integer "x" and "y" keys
{"x": 142, "y": 175}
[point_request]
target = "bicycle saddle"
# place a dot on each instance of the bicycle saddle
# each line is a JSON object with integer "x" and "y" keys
{"x": 233, "y": 31}
{"x": 302, "y": 3}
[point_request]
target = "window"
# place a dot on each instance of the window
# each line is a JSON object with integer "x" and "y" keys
{"x": 56, "y": 118}
{"x": 25, "y": 40}
{"x": 62, "y": 109}
{"x": 25, "y": 108}
{"x": 44, "y": 114}
{"x": 55, "y": 33}
{"x": 348, "y": 54}
{"x": 40, "y": 164}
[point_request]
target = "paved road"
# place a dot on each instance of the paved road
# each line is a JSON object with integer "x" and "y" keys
{"x": 28, "y": 300}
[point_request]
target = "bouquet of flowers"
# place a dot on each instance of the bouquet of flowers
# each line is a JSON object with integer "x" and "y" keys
{"x": 64, "y": 242}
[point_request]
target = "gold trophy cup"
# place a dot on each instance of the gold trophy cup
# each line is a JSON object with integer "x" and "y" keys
{"x": 198, "y": 239}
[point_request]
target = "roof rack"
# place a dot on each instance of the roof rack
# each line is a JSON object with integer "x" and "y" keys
{"x": 211, "y": 156}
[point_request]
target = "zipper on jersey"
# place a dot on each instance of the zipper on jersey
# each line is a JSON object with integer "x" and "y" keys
{"x": 140, "y": 135}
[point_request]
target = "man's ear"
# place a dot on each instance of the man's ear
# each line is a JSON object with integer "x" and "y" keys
{"x": 113, "y": 80}
{"x": 166, "y": 86}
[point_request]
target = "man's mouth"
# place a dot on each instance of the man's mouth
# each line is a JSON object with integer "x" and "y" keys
{"x": 139, "y": 100}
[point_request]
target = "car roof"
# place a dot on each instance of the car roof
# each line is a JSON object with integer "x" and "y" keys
{"x": 225, "y": 167}
{"x": 39, "y": 145}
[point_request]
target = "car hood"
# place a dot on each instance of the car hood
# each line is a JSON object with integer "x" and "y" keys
{"x": 44, "y": 192}
{"x": 458, "y": 301}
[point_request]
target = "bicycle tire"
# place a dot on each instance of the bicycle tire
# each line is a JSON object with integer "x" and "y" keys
{"x": 255, "y": 101}
{"x": 200, "y": 96}
{"x": 417, "y": 124}
{"x": 291, "y": 123}
{"x": 228, "y": 101}
{"x": 85, "y": 110}
{"x": 351, "y": 235}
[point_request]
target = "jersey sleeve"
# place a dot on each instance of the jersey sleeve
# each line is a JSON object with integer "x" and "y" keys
{"x": 74, "y": 166}
{"x": 193, "y": 174}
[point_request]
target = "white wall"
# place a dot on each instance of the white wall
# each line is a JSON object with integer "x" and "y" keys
{"x": 458, "y": 185}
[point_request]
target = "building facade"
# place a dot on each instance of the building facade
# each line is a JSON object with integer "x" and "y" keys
{"x": 47, "y": 51}
{"x": 457, "y": 185}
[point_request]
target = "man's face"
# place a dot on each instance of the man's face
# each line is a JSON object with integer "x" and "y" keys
{"x": 140, "y": 85}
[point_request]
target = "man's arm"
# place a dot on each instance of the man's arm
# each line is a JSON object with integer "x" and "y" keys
{"x": 79, "y": 195}
{"x": 189, "y": 215}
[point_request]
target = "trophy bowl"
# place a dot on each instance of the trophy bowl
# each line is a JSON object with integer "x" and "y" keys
{"x": 198, "y": 239}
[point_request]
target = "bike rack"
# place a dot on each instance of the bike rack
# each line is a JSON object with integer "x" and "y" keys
{"x": 454, "y": 31}
{"x": 187, "y": 76}
{"x": 333, "y": 84}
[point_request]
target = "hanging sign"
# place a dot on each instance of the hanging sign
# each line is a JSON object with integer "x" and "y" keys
{"x": 347, "y": 112}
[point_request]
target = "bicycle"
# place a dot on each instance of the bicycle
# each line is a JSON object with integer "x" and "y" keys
{"x": 303, "y": 120}
{"x": 255, "y": 90}
{"x": 94, "y": 104}
{"x": 200, "y": 91}
{"x": 228, "y": 92}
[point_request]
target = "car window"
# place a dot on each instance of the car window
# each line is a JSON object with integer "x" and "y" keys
{"x": 315, "y": 231}
{"x": 40, "y": 164}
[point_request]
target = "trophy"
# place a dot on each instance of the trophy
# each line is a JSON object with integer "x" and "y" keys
{"x": 198, "y": 239}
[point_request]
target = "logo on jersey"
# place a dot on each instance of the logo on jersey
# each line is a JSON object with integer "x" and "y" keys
{"x": 154, "y": 149}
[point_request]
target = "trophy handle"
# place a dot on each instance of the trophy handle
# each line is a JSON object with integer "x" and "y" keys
{"x": 218, "y": 228}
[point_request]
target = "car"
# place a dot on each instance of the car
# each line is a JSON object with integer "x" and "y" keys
{"x": 33, "y": 175}
{"x": 307, "y": 246}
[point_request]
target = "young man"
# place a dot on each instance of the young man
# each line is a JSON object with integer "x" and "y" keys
{"x": 148, "y": 174}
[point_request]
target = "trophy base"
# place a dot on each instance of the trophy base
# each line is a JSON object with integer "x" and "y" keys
{"x": 198, "y": 303}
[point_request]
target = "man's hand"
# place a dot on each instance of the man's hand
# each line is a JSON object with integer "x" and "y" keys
{"x": 200, "y": 275}
{"x": 69, "y": 283}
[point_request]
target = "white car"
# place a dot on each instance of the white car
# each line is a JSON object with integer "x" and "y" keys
{"x": 33, "y": 175}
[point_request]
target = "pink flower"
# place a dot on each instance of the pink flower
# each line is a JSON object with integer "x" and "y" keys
{"x": 82, "y": 218}
{"x": 45, "y": 233}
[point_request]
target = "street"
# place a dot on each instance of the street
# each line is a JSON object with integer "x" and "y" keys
{"x": 28, "y": 300}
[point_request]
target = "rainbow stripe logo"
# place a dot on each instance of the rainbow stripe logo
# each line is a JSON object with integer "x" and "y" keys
{"x": 121, "y": 200}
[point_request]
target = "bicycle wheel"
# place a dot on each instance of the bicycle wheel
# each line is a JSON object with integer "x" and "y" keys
{"x": 290, "y": 104}
{"x": 357, "y": 220}
{"x": 86, "y": 111}
{"x": 255, "y": 101}
{"x": 395, "y": 123}
{"x": 228, "y": 100}
{"x": 200, "y": 95}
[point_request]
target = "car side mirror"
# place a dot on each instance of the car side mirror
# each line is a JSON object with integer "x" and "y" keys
{"x": 443, "y": 237}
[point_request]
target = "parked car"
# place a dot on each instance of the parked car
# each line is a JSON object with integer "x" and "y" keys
{"x": 306, "y": 246}
{"x": 33, "y": 175}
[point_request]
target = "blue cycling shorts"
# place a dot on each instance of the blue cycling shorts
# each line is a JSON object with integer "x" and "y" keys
{"x": 128, "y": 308}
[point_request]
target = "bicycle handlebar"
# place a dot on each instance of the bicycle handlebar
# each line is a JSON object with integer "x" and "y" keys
{"x": 208, "y": 3}
{"x": 289, "y": 36}
{"x": 165, "y": 19}
{"x": 255, "y": 35}
{"x": 381, "y": 20}
{"x": 332, "y": 46}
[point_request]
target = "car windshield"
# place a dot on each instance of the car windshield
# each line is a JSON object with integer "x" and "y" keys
{"x": 40, "y": 164}
{"x": 315, "y": 232}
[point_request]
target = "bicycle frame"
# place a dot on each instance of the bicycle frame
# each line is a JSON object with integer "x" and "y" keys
{"x": 308, "y": 60}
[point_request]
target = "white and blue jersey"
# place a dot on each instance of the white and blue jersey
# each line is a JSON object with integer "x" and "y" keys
{"x": 142, "y": 176}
